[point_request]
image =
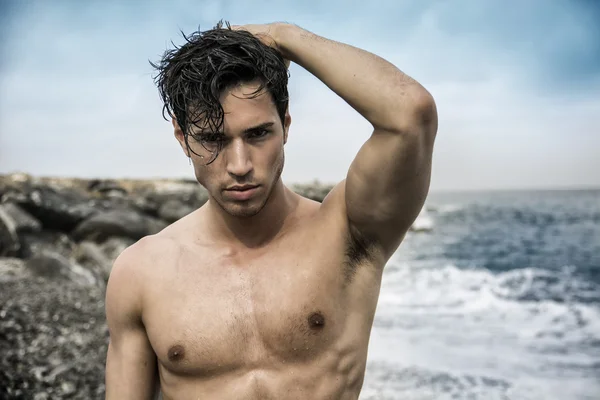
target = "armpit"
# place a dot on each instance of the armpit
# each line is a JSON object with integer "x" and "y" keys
{"x": 359, "y": 249}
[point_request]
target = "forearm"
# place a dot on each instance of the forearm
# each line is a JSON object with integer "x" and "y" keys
{"x": 380, "y": 92}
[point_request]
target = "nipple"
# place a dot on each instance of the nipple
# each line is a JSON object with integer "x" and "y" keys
{"x": 176, "y": 353}
{"x": 316, "y": 320}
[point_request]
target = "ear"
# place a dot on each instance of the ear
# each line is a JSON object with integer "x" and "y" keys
{"x": 180, "y": 137}
{"x": 286, "y": 124}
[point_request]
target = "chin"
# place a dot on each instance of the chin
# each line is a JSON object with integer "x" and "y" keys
{"x": 243, "y": 209}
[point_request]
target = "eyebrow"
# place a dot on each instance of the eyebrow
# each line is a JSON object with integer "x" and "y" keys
{"x": 255, "y": 128}
{"x": 258, "y": 127}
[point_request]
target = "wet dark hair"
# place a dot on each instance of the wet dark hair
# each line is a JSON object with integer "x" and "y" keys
{"x": 192, "y": 77}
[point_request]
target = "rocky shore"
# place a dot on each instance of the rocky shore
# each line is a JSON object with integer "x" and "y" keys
{"x": 58, "y": 240}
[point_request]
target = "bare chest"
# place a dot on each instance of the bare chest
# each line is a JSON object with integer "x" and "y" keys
{"x": 224, "y": 315}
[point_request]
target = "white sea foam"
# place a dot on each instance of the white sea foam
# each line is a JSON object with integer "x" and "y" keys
{"x": 423, "y": 222}
{"x": 446, "y": 208}
{"x": 476, "y": 323}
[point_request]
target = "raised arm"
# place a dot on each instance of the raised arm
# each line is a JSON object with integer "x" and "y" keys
{"x": 130, "y": 362}
{"x": 388, "y": 180}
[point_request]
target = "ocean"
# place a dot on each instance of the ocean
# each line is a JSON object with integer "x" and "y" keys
{"x": 500, "y": 299}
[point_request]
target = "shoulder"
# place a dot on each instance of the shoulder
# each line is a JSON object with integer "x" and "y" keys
{"x": 133, "y": 270}
{"x": 141, "y": 255}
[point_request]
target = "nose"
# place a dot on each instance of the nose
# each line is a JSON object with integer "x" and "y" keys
{"x": 239, "y": 162}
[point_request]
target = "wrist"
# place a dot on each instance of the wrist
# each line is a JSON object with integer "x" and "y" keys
{"x": 284, "y": 34}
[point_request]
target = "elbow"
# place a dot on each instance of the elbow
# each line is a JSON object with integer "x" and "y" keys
{"x": 425, "y": 109}
{"x": 416, "y": 113}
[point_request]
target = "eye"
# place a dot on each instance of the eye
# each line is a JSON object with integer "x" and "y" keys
{"x": 258, "y": 134}
{"x": 210, "y": 141}
{"x": 209, "y": 138}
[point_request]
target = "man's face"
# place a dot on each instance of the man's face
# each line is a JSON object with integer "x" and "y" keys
{"x": 251, "y": 157}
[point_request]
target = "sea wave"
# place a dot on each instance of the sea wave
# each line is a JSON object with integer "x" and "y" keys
{"x": 387, "y": 381}
{"x": 500, "y": 301}
{"x": 476, "y": 322}
{"x": 539, "y": 301}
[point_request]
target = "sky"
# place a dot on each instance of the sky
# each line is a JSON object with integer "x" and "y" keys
{"x": 516, "y": 83}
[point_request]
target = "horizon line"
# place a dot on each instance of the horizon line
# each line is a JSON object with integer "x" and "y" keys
{"x": 314, "y": 181}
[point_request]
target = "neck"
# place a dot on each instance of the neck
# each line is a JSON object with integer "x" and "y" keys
{"x": 258, "y": 229}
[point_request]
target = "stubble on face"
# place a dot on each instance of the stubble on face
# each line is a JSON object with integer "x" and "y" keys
{"x": 252, "y": 207}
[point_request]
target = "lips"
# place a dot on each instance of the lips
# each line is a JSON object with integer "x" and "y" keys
{"x": 241, "y": 187}
{"x": 240, "y": 193}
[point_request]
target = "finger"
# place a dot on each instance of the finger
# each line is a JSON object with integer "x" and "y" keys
{"x": 240, "y": 28}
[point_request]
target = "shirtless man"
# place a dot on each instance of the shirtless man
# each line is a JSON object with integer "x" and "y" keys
{"x": 261, "y": 293}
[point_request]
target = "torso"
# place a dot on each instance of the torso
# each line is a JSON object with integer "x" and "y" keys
{"x": 284, "y": 321}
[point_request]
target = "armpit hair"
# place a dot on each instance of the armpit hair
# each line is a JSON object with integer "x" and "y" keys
{"x": 359, "y": 249}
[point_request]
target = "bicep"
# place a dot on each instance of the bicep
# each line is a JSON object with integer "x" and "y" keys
{"x": 388, "y": 182}
{"x": 130, "y": 362}
{"x": 130, "y": 367}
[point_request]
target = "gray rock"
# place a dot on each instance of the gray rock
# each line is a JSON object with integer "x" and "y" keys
{"x": 92, "y": 256}
{"x": 173, "y": 210}
{"x": 12, "y": 269}
{"x": 107, "y": 187}
{"x": 145, "y": 205}
{"x": 124, "y": 223}
{"x": 315, "y": 191}
{"x": 48, "y": 264}
{"x": 191, "y": 194}
{"x": 55, "y": 266}
{"x": 10, "y": 244}
{"x": 35, "y": 243}
{"x": 56, "y": 208}
{"x": 114, "y": 246}
{"x": 53, "y": 338}
{"x": 22, "y": 220}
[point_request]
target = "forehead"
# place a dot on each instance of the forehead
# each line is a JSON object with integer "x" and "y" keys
{"x": 244, "y": 107}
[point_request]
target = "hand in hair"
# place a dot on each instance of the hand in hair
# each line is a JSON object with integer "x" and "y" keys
{"x": 267, "y": 33}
